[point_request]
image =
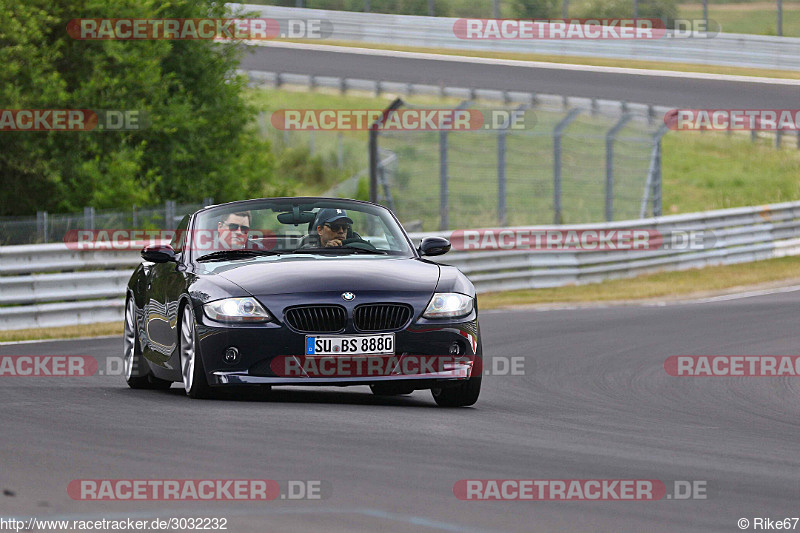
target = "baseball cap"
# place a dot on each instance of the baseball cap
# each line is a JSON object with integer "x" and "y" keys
{"x": 328, "y": 216}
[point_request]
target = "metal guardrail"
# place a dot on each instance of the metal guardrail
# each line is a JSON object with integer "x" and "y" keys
{"x": 740, "y": 50}
{"x": 67, "y": 287}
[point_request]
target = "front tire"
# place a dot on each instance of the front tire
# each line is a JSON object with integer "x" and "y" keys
{"x": 136, "y": 371}
{"x": 461, "y": 395}
{"x": 192, "y": 370}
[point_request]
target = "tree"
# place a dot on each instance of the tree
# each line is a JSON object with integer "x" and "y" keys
{"x": 200, "y": 141}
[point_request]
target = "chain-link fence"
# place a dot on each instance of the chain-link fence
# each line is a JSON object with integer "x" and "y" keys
{"x": 46, "y": 227}
{"x": 564, "y": 166}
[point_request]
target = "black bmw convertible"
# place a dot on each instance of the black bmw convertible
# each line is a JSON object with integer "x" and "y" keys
{"x": 301, "y": 291}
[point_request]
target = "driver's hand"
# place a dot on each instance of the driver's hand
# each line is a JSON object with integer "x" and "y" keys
{"x": 333, "y": 242}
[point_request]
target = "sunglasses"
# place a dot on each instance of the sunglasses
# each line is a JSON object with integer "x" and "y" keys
{"x": 338, "y": 227}
{"x": 237, "y": 227}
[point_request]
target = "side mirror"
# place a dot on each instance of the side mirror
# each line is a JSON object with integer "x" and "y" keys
{"x": 434, "y": 246}
{"x": 159, "y": 253}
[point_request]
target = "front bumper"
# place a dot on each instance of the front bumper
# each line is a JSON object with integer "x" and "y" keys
{"x": 261, "y": 346}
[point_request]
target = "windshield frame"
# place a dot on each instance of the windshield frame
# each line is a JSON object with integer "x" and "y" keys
{"x": 346, "y": 203}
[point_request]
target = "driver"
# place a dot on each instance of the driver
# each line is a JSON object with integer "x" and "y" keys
{"x": 333, "y": 226}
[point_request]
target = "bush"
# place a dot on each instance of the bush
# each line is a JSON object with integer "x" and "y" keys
{"x": 297, "y": 165}
{"x": 666, "y": 10}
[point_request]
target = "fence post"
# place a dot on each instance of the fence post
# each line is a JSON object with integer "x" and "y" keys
{"x": 374, "y": 129}
{"x": 88, "y": 218}
{"x": 444, "y": 194}
{"x": 444, "y": 220}
{"x": 501, "y": 176}
{"x": 134, "y": 217}
{"x": 340, "y": 151}
{"x": 501, "y": 166}
{"x": 610, "y": 136}
{"x": 653, "y": 182}
{"x": 169, "y": 214}
{"x": 262, "y": 124}
{"x": 557, "y": 132}
{"x": 387, "y": 192}
{"x": 657, "y": 182}
{"x": 41, "y": 225}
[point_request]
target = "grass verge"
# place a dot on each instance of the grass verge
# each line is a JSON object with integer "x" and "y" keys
{"x": 670, "y": 285}
{"x": 68, "y": 332}
{"x": 758, "y": 18}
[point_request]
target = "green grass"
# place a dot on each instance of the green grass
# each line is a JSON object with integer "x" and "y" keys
{"x": 704, "y": 171}
{"x": 758, "y": 18}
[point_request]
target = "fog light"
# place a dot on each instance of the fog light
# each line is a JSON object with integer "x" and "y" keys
{"x": 455, "y": 349}
{"x": 232, "y": 355}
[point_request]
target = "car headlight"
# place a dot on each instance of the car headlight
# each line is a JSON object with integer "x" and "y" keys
{"x": 448, "y": 305}
{"x": 237, "y": 310}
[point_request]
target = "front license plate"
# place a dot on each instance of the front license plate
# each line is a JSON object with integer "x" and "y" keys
{"x": 355, "y": 345}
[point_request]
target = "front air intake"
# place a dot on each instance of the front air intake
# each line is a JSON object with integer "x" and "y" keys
{"x": 381, "y": 317}
{"x": 317, "y": 318}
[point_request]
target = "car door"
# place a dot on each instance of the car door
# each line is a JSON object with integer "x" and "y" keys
{"x": 161, "y": 314}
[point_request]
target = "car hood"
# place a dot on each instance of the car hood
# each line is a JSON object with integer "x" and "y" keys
{"x": 318, "y": 274}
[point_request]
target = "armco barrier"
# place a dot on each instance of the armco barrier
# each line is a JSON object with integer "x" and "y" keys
{"x": 732, "y": 49}
{"x": 50, "y": 285}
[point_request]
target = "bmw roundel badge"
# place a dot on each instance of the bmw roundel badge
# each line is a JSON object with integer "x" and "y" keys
{"x": 348, "y": 296}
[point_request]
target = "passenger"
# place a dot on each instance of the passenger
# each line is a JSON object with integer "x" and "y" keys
{"x": 233, "y": 229}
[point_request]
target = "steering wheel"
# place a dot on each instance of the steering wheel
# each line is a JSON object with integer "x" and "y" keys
{"x": 358, "y": 242}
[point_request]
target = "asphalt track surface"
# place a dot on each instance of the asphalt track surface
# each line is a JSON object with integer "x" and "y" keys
{"x": 685, "y": 92}
{"x": 594, "y": 403}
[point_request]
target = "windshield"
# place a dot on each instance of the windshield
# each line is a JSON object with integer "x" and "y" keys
{"x": 298, "y": 226}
